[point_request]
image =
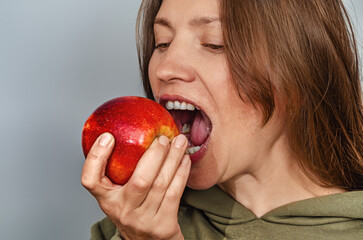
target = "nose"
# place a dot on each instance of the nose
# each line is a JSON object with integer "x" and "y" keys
{"x": 175, "y": 64}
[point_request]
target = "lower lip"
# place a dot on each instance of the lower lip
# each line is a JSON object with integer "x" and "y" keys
{"x": 197, "y": 156}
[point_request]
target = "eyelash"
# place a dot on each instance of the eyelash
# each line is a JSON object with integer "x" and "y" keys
{"x": 213, "y": 47}
{"x": 162, "y": 46}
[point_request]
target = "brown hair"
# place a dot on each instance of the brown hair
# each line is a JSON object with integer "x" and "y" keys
{"x": 305, "y": 53}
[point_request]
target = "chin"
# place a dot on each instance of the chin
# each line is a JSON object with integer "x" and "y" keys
{"x": 204, "y": 174}
{"x": 196, "y": 183}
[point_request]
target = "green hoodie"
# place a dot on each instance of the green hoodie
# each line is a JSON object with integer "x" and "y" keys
{"x": 212, "y": 214}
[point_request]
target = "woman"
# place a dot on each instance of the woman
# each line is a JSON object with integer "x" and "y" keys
{"x": 278, "y": 133}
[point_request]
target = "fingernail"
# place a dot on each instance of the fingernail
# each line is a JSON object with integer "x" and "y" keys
{"x": 163, "y": 140}
{"x": 105, "y": 139}
{"x": 179, "y": 141}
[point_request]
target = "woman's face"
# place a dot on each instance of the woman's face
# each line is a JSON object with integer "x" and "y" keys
{"x": 189, "y": 65}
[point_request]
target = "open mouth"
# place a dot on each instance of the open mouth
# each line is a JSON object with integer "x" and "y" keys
{"x": 191, "y": 121}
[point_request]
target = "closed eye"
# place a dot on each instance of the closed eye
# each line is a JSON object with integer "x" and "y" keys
{"x": 214, "y": 47}
{"x": 162, "y": 46}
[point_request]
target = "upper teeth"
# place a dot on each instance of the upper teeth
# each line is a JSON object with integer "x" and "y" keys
{"x": 176, "y": 105}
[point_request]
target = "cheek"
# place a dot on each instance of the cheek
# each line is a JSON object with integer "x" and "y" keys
{"x": 220, "y": 83}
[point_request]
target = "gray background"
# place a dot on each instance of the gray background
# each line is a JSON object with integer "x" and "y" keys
{"x": 59, "y": 60}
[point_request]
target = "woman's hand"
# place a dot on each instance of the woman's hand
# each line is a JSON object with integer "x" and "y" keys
{"x": 146, "y": 206}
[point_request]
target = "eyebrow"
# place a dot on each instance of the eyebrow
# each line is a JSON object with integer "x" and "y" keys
{"x": 194, "y": 22}
{"x": 203, "y": 21}
{"x": 163, "y": 22}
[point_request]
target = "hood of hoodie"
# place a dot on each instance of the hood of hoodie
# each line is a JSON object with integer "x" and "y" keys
{"x": 215, "y": 211}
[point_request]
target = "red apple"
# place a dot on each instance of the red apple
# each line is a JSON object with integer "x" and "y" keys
{"x": 134, "y": 122}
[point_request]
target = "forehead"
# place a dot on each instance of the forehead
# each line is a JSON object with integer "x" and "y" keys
{"x": 185, "y": 10}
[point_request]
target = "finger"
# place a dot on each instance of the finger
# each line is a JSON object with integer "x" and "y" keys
{"x": 95, "y": 164}
{"x": 148, "y": 167}
{"x": 166, "y": 175}
{"x": 170, "y": 203}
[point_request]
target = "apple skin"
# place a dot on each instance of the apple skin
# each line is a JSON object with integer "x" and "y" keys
{"x": 134, "y": 122}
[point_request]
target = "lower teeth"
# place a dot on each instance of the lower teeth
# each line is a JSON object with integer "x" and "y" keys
{"x": 192, "y": 150}
{"x": 186, "y": 128}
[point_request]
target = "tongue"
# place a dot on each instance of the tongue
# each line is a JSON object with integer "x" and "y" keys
{"x": 200, "y": 130}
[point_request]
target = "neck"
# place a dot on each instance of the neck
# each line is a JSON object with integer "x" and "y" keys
{"x": 273, "y": 181}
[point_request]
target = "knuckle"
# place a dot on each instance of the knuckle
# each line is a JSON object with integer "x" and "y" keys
{"x": 136, "y": 225}
{"x": 140, "y": 184}
{"x": 93, "y": 155}
{"x": 161, "y": 232}
{"x": 125, "y": 220}
{"x": 88, "y": 183}
{"x": 157, "y": 234}
{"x": 128, "y": 218}
{"x": 159, "y": 151}
{"x": 159, "y": 185}
{"x": 172, "y": 195}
